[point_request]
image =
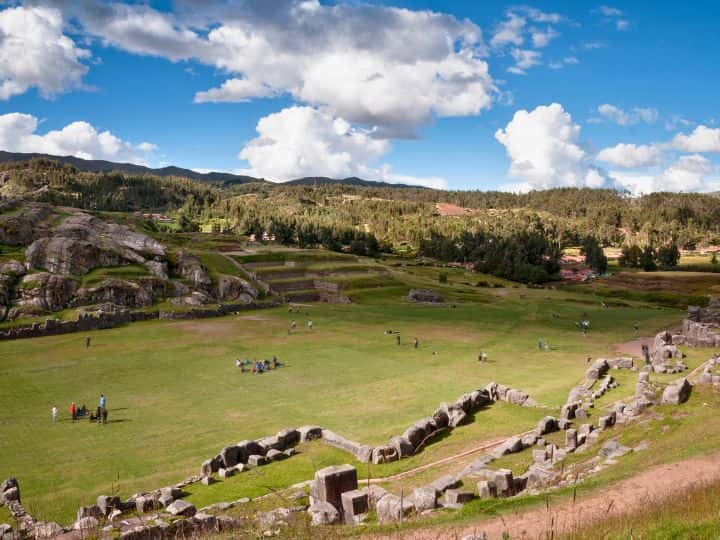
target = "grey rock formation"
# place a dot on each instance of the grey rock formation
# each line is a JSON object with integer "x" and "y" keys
{"x": 190, "y": 267}
{"x": 41, "y": 293}
{"x": 140, "y": 293}
{"x": 234, "y": 289}
{"x": 424, "y": 296}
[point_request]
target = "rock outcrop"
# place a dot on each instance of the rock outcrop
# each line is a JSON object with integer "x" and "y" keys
{"x": 190, "y": 267}
{"x": 83, "y": 242}
{"x": 42, "y": 293}
{"x": 139, "y": 293}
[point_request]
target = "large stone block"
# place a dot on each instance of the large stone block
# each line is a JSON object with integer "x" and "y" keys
{"x": 677, "y": 392}
{"x": 504, "y": 483}
{"x": 181, "y": 508}
{"x": 402, "y": 446}
{"x": 355, "y": 505}
{"x": 309, "y": 433}
{"x": 487, "y": 489}
{"x": 390, "y": 509}
{"x": 444, "y": 483}
{"x": 332, "y": 482}
{"x": 547, "y": 425}
{"x": 458, "y": 496}
{"x": 288, "y": 437}
{"x": 424, "y": 498}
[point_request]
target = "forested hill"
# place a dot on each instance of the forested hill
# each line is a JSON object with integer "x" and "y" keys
{"x": 397, "y": 216}
{"x": 101, "y": 166}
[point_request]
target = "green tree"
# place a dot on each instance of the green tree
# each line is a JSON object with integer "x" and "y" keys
{"x": 668, "y": 256}
{"x": 594, "y": 255}
{"x": 630, "y": 256}
{"x": 647, "y": 259}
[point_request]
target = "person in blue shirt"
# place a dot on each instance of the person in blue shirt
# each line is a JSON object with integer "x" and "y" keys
{"x": 102, "y": 401}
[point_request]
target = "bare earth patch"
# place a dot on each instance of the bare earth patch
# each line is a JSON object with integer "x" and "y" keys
{"x": 634, "y": 347}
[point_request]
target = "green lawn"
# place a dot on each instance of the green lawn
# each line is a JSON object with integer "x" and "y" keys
{"x": 175, "y": 397}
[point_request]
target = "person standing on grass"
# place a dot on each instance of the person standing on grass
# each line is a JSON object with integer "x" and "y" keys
{"x": 53, "y": 413}
{"x": 309, "y": 325}
{"x": 73, "y": 411}
{"x": 415, "y": 343}
{"x": 398, "y": 339}
{"x": 102, "y": 401}
{"x": 87, "y": 342}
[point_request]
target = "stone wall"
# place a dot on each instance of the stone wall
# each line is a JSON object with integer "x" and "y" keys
{"x": 102, "y": 320}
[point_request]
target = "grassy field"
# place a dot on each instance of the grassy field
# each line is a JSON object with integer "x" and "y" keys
{"x": 176, "y": 398}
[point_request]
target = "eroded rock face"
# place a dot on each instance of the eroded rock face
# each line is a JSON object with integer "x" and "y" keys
{"x": 234, "y": 289}
{"x": 42, "y": 293}
{"x": 140, "y": 293}
{"x": 83, "y": 242}
{"x": 21, "y": 229}
{"x": 190, "y": 267}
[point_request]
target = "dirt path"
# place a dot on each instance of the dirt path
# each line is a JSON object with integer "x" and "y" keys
{"x": 624, "y": 497}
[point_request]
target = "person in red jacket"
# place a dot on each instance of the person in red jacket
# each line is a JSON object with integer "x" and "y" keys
{"x": 73, "y": 411}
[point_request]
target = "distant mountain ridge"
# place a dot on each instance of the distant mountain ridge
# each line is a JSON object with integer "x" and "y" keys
{"x": 99, "y": 166}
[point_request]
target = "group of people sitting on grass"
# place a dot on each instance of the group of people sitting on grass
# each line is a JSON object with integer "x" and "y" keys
{"x": 76, "y": 413}
{"x": 258, "y": 366}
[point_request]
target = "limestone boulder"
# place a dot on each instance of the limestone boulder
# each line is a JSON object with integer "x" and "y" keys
{"x": 390, "y": 509}
{"x": 424, "y": 498}
{"x": 402, "y": 446}
{"x": 677, "y": 392}
{"x": 331, "y": 482}
{"x": 323, "y": 513}
{"x": 234, "y": 289}
{"x": 181, "y": 508}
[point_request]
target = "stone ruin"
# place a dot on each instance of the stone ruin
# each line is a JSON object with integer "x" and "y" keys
{"x": 335, "y": 496}
{"x": 425, "y": 296}
{"x": 701, "y": 326}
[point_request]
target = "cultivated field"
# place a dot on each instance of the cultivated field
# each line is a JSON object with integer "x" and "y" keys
{"x": 175, "y": 396}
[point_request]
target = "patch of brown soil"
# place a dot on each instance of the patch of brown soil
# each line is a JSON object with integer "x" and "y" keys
{"x": 634, "y": 347}
{"x": 215, "y": 328}
{"x": 656, "y": 484}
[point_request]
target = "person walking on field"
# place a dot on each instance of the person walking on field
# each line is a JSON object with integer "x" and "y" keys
{"x": 398, "y": 339}
{"x": 87, "y": 342}
{"x": 102, "y": 401}
{"x": 310, "y": 325}
{"x": 415, "y": 343}
{"x": 53, "y": 413}
{"x": 73, "y": 411}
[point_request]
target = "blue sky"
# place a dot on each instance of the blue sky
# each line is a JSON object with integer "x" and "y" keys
{"x": 431, "y": 92}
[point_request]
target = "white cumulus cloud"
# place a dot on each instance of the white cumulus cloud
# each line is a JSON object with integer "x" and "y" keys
{"x": 689, "y": 173}
{"x": 630, "y": 155}
{"x": 303, "y": 141}
{"x": 702, "y": 139}
{"x": 18, "y": 133}
{"x": 34, "y": 52}
{"x": 373, "y": 65}
{"x": 544, "y": 149}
